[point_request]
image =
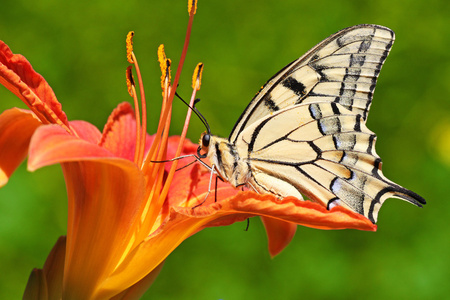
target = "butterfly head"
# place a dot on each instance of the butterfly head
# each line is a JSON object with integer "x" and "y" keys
{"x": 204, "y": 142}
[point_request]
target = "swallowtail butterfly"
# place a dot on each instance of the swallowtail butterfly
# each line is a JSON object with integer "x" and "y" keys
{"x": 305, "y": 134}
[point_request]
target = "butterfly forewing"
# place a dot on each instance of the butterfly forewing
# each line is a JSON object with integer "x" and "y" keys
{"x": 342, "y": 68}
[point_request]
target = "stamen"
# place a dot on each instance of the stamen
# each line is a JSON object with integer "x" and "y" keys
{"x": 129, "y": 42}
{"x": 197, "y": 77}
{"x": 157, "y": 199}
{"x": 144, "y": 114}
{"x": 141, "y": 128}
{"x": 164, "y": 64}
{"x": 132, "y": 91}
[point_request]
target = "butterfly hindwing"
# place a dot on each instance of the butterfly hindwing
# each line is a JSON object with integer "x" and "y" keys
{"x": 321, "y": 150}
{"x": 342, "y": 68}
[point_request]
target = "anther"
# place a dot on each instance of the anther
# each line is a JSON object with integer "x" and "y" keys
{"x": 164, "y": 64}
{"x": 130, "y": 81}
{"x": 129, "y": 42}
{"x": 197, "y": 77}
{"x": 192, "y": 7}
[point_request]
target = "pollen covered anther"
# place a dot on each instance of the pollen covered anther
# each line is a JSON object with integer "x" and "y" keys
{"x": 168, "y": 64}
{"x": 197, "y": 77}
{"x": 192, "y": 7}
{"x": 129, "y": 42}
{"x": 130, "y": 80}
{"x": 161, "y": 56}
{"x": 164, "y": 64}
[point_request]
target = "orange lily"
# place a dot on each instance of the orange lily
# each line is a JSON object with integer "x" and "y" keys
{"x": 127, "y": 212}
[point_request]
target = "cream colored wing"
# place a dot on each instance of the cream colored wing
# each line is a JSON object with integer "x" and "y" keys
{"x": 323, "y": 151}
{"x": 342, "y": 68}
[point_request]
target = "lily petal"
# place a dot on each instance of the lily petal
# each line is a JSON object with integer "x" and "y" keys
{"x": 291, "y": 209}
{"x": 138, "y": 290}
{"x": 119, "y": 133}
{"x": 188, "y": 148}
{"x": 18, "y": 76}
{"x": 52, "y": 144}
{"x": 151, "y": 253}
{"x": 191, "y": 184}
{"x": 279, "y": 234}
{"x": 86, "y": 131}
{"x": 16, "y": 128}
{"x": 185, "y": 221}
{"x": 91, "y": 255}
{"x": 104, "y": 197}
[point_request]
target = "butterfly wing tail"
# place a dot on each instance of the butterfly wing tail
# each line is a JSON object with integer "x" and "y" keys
{"x": 407, "y": 195}
{"x": 393, "y": 190}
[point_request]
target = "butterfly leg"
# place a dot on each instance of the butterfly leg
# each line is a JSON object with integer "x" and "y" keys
{"x": 252, "y": 187}
{"x": 213, "y": 167}
{"x": 215, "y": 191}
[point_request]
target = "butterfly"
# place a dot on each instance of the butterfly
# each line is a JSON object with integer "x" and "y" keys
{"x": 305, "y": 134}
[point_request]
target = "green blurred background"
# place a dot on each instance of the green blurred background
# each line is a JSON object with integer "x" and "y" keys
{"x": 78, "y": 47}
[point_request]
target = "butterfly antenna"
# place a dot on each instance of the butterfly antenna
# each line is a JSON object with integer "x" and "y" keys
{"x": 208, "y": 129}
{"x": 195, "y": 110}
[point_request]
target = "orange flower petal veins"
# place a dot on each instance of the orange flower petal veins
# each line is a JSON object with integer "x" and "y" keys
{"x": 103, "y": 218}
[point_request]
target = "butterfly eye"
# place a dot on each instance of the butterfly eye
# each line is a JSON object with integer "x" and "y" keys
{"x": 205, "y": 140}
